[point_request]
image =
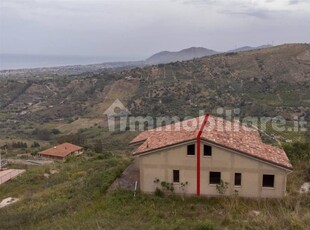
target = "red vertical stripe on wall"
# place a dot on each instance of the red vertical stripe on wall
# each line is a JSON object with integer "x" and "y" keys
{"x": 198, "y": 152}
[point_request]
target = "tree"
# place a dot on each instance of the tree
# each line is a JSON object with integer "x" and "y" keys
{"x": 55, "y": 131}
{"x": 98, "y": 146}
{"x": 35, "y": 145}
{"x": 42, "y": 134}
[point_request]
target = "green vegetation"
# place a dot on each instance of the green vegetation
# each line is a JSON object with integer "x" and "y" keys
{"x": 222, "y": 187}
{"x": 77, "y": 185}
{"x": 298, "y": 151}
{"x": 263, "y": 82}
{"x": 76, "y": 197}
{"x": 53, "y": 109}
{"x": 100, "y": 139}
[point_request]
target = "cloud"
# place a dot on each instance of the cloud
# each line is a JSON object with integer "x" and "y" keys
{"x": 200, "y": 2}
{"x": 143, "y": 27}
{"x": 257, "y": 8}
{"x": 295, "y": 2}
{"x": 257, "y": 13}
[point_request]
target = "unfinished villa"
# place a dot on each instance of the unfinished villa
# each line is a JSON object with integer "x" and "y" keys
{"x": 196, "y": 161}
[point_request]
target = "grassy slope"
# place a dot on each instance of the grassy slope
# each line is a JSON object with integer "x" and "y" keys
{"x": 78, "y": 184}
{"x": 76, "y": 198}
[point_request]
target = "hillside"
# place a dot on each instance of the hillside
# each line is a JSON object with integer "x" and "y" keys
{"x": 49, "y": 108}
{"x": 75, "y": 197}
{"x": 182, "y": 55}
{"x": 266, "y": 82}
{"x": 248, "y": 48}
{"x": 158, "y": 58}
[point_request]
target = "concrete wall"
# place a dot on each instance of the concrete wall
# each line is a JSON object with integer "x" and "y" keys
{"x": 160, "y": 165}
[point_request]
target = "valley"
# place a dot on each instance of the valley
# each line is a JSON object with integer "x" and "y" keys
{"x": 266, "y": 82}
{"x": 40, "y": 108}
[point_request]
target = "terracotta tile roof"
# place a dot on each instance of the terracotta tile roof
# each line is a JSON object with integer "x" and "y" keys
{"x": 239, "y": 138}
{"x": 62, "y": 150}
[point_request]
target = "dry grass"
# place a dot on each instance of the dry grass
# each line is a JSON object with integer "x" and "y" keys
{"x": 76, "y": 199}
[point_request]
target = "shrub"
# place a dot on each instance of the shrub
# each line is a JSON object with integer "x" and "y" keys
{"x": 101, "y": 156}
{"x": 298, "y": 151}
{"x": 307, "y": 176}
{"x": 98, "y": 146}
{"x": 19, "y": 144}
{"x": 70, "y": 120}
{"x": 205, "y": 225}
{"x": 35, "y": 145}
{"x": 42, "y": 134}
{"x": 77, "y": 139}
{"x": 158, "y": 192}
{"x": 167, "y": 186}
{"x": 55, "y": 131}
{"x": 222, "y": 187}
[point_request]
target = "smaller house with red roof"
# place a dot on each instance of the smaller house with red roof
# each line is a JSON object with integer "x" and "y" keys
{"x": 60, "y": 152}
{"x": 199, "y": 159}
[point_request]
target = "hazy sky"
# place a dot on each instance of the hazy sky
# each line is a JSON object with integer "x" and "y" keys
{"x": 139, "y": 28}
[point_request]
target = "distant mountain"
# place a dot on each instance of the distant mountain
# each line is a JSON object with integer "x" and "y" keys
{"x": 264, "y": 82}
{"x": 183, "y": 55}
{"x": 248, "y": 48}
{"x": 165, "y": 57}
{"x": 27, "y": 66}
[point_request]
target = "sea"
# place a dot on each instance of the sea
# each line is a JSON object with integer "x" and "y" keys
{"x": 22, "y": 61}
